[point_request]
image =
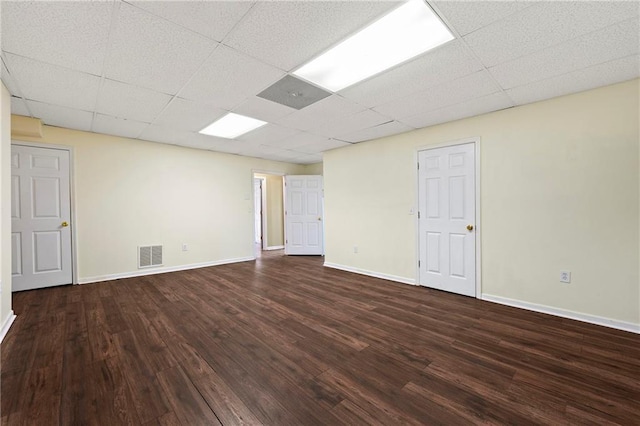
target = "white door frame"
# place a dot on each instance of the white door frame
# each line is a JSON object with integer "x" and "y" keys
{"x": 264, "y": 203}
{"x": 263, "y": 211}
{"x": 478, "y": 223}
{"x": 72, "y": 192}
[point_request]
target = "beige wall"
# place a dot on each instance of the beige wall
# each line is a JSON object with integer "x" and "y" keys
{"x": 275, "y": 210}
{"x": 313, "y": 169}
{"x": 130, "y": 193}
{"x": 559, "y": 191}
{"x": 5, "y": 205}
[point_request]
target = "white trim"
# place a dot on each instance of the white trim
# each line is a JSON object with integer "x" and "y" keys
{"x": 388, "y": 277}
{"x": 163, "y": 270}
{"x": 72, "y": 199}
{"x": 478, "y": 224}
{"x": 592, "y": 319}
{"x": 274, "y": 248}
{"x": 7, "y": 325}
{"x": 267, "y": 172}
{"x": 464, "y": 141}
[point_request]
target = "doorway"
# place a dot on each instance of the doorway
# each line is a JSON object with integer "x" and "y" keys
{"x": 448, "y": 218}
{"x": 268, "y": 211}
{"x": 258, "y": 207}
{"x": 41, "y": 223}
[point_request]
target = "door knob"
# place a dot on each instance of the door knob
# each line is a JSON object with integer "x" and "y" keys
{"x": 469, "y": 227}
{"x": 319, "y": 218}
{"x": 65, "y": 224}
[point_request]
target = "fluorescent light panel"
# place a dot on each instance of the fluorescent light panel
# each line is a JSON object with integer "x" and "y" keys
{"x": 406, "y": 32}
{"x": 232, "y": 125}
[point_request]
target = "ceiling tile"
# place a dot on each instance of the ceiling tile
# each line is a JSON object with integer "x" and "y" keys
{"x": 617, "y": 41}
{"x": 331, "y": 108}
{"x": 212, "y": 19}
{"x": 448, "y": 62}
{"x": 298, "y": 140}
{"x": 53, "y": 84}
{"x": 130, "y": 102}
{"x": 263, "y": 109}
{"x": 55, "y": 115}
{"x": 212, "y": 143}
{"x": 150, "y": 52}
{"x": 285, "y": 155}
{"x": 163, "y": 134}
{"x": 71, "y": 34}
{"x": 308, "y": 159}
{"x": 9, "y": 81}
{"x": 188, "y": 115}
{"x": 287, "y": 33}
{"x": 468, "y": 16}
{"x": 316, "y": 148}
{"x": 350, "y": 123}
{"x": 451, "y": 93}
{"x": 375, "y": 132}
{"x": 482, "y": 105}
{"x": 117, "y": 126}
{"x": 255, "y": 149}
{"x": 19, "y": 107}
{"x": 268, "y": 133}
{"x": 598, "y": 75}
{"x": 543, "y": 25}
{"x": 228, "y": 77}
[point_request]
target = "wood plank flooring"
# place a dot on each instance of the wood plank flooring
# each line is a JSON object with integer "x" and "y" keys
{"x": 285, "y": 341}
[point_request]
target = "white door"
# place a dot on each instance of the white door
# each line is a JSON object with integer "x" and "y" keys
{"x": 40, "y": 218}
{"x": 303, "y": 216}
{"x": 447, "y": 259}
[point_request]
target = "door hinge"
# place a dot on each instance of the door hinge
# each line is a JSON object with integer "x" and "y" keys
{"x": 418, "y": 166}
{"x": 418, "y": 214}
{"x": 418, "y": 263}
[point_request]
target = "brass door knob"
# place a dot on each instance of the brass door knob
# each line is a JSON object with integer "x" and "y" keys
{"x": 65, "y": 224}
{"x": 469, "y": 227}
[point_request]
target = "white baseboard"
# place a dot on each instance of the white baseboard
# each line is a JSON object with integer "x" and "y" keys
{"x": 163, "y": 270}
{"x": 395, "y": 278}
{"x": 7, "y": 325}
{"x": 274, "y": 248}
{"x": 593, "y": 319}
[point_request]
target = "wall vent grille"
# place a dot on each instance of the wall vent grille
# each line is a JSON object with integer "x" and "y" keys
{"x": 149, "y": 256}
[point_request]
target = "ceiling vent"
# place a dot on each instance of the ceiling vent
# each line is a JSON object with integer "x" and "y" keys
{"x": 149, "y": 256}
{"x": 293, "y": 92}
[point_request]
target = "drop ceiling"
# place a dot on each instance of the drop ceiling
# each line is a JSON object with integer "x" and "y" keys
{"x": 162, "y": 70}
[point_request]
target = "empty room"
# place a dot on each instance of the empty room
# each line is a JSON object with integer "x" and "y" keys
{"x": 319, "y": 212}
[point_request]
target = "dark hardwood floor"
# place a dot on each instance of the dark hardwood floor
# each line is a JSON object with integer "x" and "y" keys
{"x": 285, "y": 341}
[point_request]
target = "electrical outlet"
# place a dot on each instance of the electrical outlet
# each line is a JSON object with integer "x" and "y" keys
{"x": 565, "y": 276}
{"x": 185, "y": 247}
{"x": 355, "y": 249}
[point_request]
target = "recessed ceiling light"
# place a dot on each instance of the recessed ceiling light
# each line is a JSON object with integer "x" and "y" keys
{"x": 231, "y": 126}
{"x": 406, "y": 32}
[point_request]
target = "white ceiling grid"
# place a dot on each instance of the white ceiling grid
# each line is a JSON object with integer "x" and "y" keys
{"x": 162, "y": 70}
